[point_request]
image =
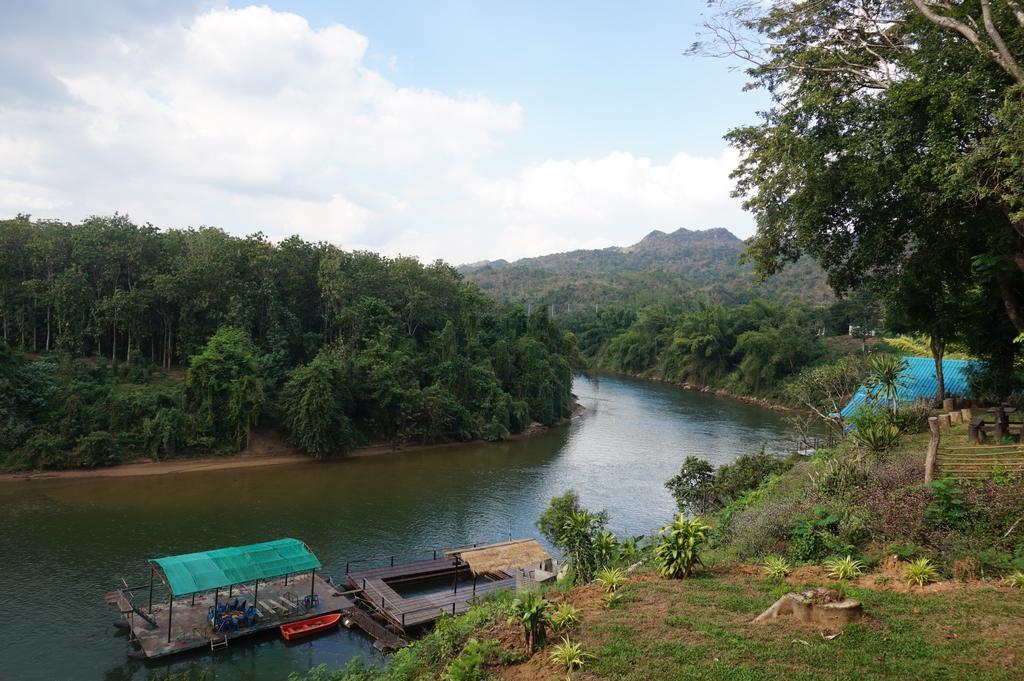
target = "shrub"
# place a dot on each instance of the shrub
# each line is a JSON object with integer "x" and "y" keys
{"x": 569, "y": 656}
{"x": 1016, "y": 580}
{"x": 471, "y": 664}
{"x": 677, "y": 550}
{"x": 947, "y": 508}
{"x": 817, "y": 535}
{"x": 844, "y": 568}
{"x": 693, "y": 487}
{"x": 921, "y": 572}
{"x": 612, "y": 600}
{"x": 838, "y": 476}
{"x": 565, "y": 616}
{"x": 777, "y": 567}
{"x": 579, "y": 533}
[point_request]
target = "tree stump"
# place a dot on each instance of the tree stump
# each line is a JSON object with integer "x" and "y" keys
{"x": 825, "y": 607}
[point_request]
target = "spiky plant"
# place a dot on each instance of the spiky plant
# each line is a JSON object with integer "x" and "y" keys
{"x": 565, "y": 616}
{"x": 1016, "y": 580}
{"x": 611, "y": 579}
{"x": 844, "y": 568}
{"x": 776, "y": 567}
{"x": 569, "y": 656}
{"x": 612, "y": 600}
{"x": 921, "y": 572}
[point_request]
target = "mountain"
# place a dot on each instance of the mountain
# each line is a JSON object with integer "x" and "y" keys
{"x": 679, "y": 263}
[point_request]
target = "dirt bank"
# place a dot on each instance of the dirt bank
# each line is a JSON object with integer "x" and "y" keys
{"x": 267, "y": 448}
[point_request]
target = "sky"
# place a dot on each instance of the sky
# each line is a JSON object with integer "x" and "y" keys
{"x": 455, "y": 130}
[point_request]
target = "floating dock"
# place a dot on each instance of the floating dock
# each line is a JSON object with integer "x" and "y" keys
{"x": 278, "y": 602}
{"x": 209, "y": 598}
{"x": 375, "y": 589}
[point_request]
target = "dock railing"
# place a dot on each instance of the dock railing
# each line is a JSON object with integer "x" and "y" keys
{"x": 419, "y": 553}
{"x": 382, "y": 603}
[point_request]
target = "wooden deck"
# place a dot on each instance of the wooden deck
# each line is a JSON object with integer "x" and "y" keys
{"x": 374, "y": 590}
{"x": 278, "y": 603}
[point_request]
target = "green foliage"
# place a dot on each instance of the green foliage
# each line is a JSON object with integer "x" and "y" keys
{"x": 777, "y": 567}
{"x": 471, "y": 664}
{"x": 876, "y": 438}
{"x": 580, "y": 534}
{"x": 844, "y": 568}
{"x": 314, "y": 402}
{"x": 921, "y": 572}
{"x": 699, "y": 488}
{"x": 610, "y": 578}
{"x": 677, "y": 552}
{"x": 531, "y": 610}
{"x": 817, "y": 535}
{"x": 568, "y": 656}
{"x": 224, "y": 390}
{"x": 825, "y": 389}
{"x": 565, "y": 616}
{"x": 612, "y": 600}
{"x": 1016, "y": 580}
{"x": 884, "y": 377}
{"x": 947, "y": 508}
{"x": 694, "y": 486}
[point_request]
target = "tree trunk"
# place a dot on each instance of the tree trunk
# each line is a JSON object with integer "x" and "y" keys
{"x": 47, "y": 328}
{"x": 113, "y": 346}
{"x": 1010, "y": 299}
{"x": 938, "y": 352}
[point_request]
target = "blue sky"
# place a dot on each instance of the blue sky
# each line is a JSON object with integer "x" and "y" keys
{"x": 447, "y": 129}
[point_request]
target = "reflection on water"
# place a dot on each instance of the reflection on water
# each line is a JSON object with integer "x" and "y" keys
{"x": 65, "y": 542}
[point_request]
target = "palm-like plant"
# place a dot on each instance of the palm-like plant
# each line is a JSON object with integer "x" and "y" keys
{"x": 569, "y": 656}
{"x": 579, "y": 541}
{"x": 885, "y": 376}
{"x": 629, "y": 550}
{"x": 677, "y": 550}
{"x": 531, "y": 610}
{"x": 844, "y": 568}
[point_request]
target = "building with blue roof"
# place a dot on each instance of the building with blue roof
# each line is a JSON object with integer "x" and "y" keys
{"x": 918, "y": 382}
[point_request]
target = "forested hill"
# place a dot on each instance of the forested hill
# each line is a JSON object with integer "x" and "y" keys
{"x": 660, "y": 265}
{"x": 122, "y": 340}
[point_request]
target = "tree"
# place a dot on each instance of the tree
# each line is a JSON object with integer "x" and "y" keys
{"x": 885, "y": 377}
{"x": 314, "y": 402}
{"x": 693, "y": 487}
{"x": 223, "y": 388}
{"x": 825, "y": 389}
{"x": 887, "y": 143}
{"x": 578, "y": 533}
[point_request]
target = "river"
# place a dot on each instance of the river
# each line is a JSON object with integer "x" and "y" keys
{"x": 64, "y": 543}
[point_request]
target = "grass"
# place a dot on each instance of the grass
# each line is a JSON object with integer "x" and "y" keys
{"x": 700, "y": 629}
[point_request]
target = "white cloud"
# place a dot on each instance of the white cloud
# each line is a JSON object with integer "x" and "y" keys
{"x": 253, "y": 119}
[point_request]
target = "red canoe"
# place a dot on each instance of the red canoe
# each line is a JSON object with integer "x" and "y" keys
{"x": 310, "y": 626}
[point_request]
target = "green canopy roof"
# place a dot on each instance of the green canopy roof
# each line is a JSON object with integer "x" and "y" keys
{"x": 191, "y": 573}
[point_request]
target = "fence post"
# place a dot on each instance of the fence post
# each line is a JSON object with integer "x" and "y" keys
{"x": 944, "y": 420}
{"x": 965, "y": 415}
{"x": 955, "y": 417}
{"x": 931, "y": 459}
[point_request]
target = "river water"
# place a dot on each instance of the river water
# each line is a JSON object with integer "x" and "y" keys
{"x": 65, "y": 543}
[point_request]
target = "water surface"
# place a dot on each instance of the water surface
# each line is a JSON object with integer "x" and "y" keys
{"x": 65, "y": 543}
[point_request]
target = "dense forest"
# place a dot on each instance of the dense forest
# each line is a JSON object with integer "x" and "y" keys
{"x": 123, "y": 340}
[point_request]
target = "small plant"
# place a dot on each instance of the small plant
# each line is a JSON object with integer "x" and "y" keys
{"x": 471, "y": 664}
{"x": 611, "y": 579}
{"x": 569, "y": 656}
{"x": 777, "y": 567}
{"x": 565, "y": 616}
{"x": 876, "y": 438}
{"x": 612, "y": 600}
{"x": 677, "y": 550}
{"x": 844, "y": 568}
{"x": 921, "y": 572}
{"x": 531, "y": 609}
{"x": 947, "y": 508}
{"x": 1016, "y": 580}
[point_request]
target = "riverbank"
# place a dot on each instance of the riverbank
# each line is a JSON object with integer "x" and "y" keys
{"x": 266, "y": 448}
{"x": 762, "y": 402}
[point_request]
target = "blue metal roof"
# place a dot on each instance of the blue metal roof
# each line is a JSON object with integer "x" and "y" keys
{"x": 918, "y": 381}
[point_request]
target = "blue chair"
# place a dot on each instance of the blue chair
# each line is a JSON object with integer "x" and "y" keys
{"x": 311, "y": 601}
